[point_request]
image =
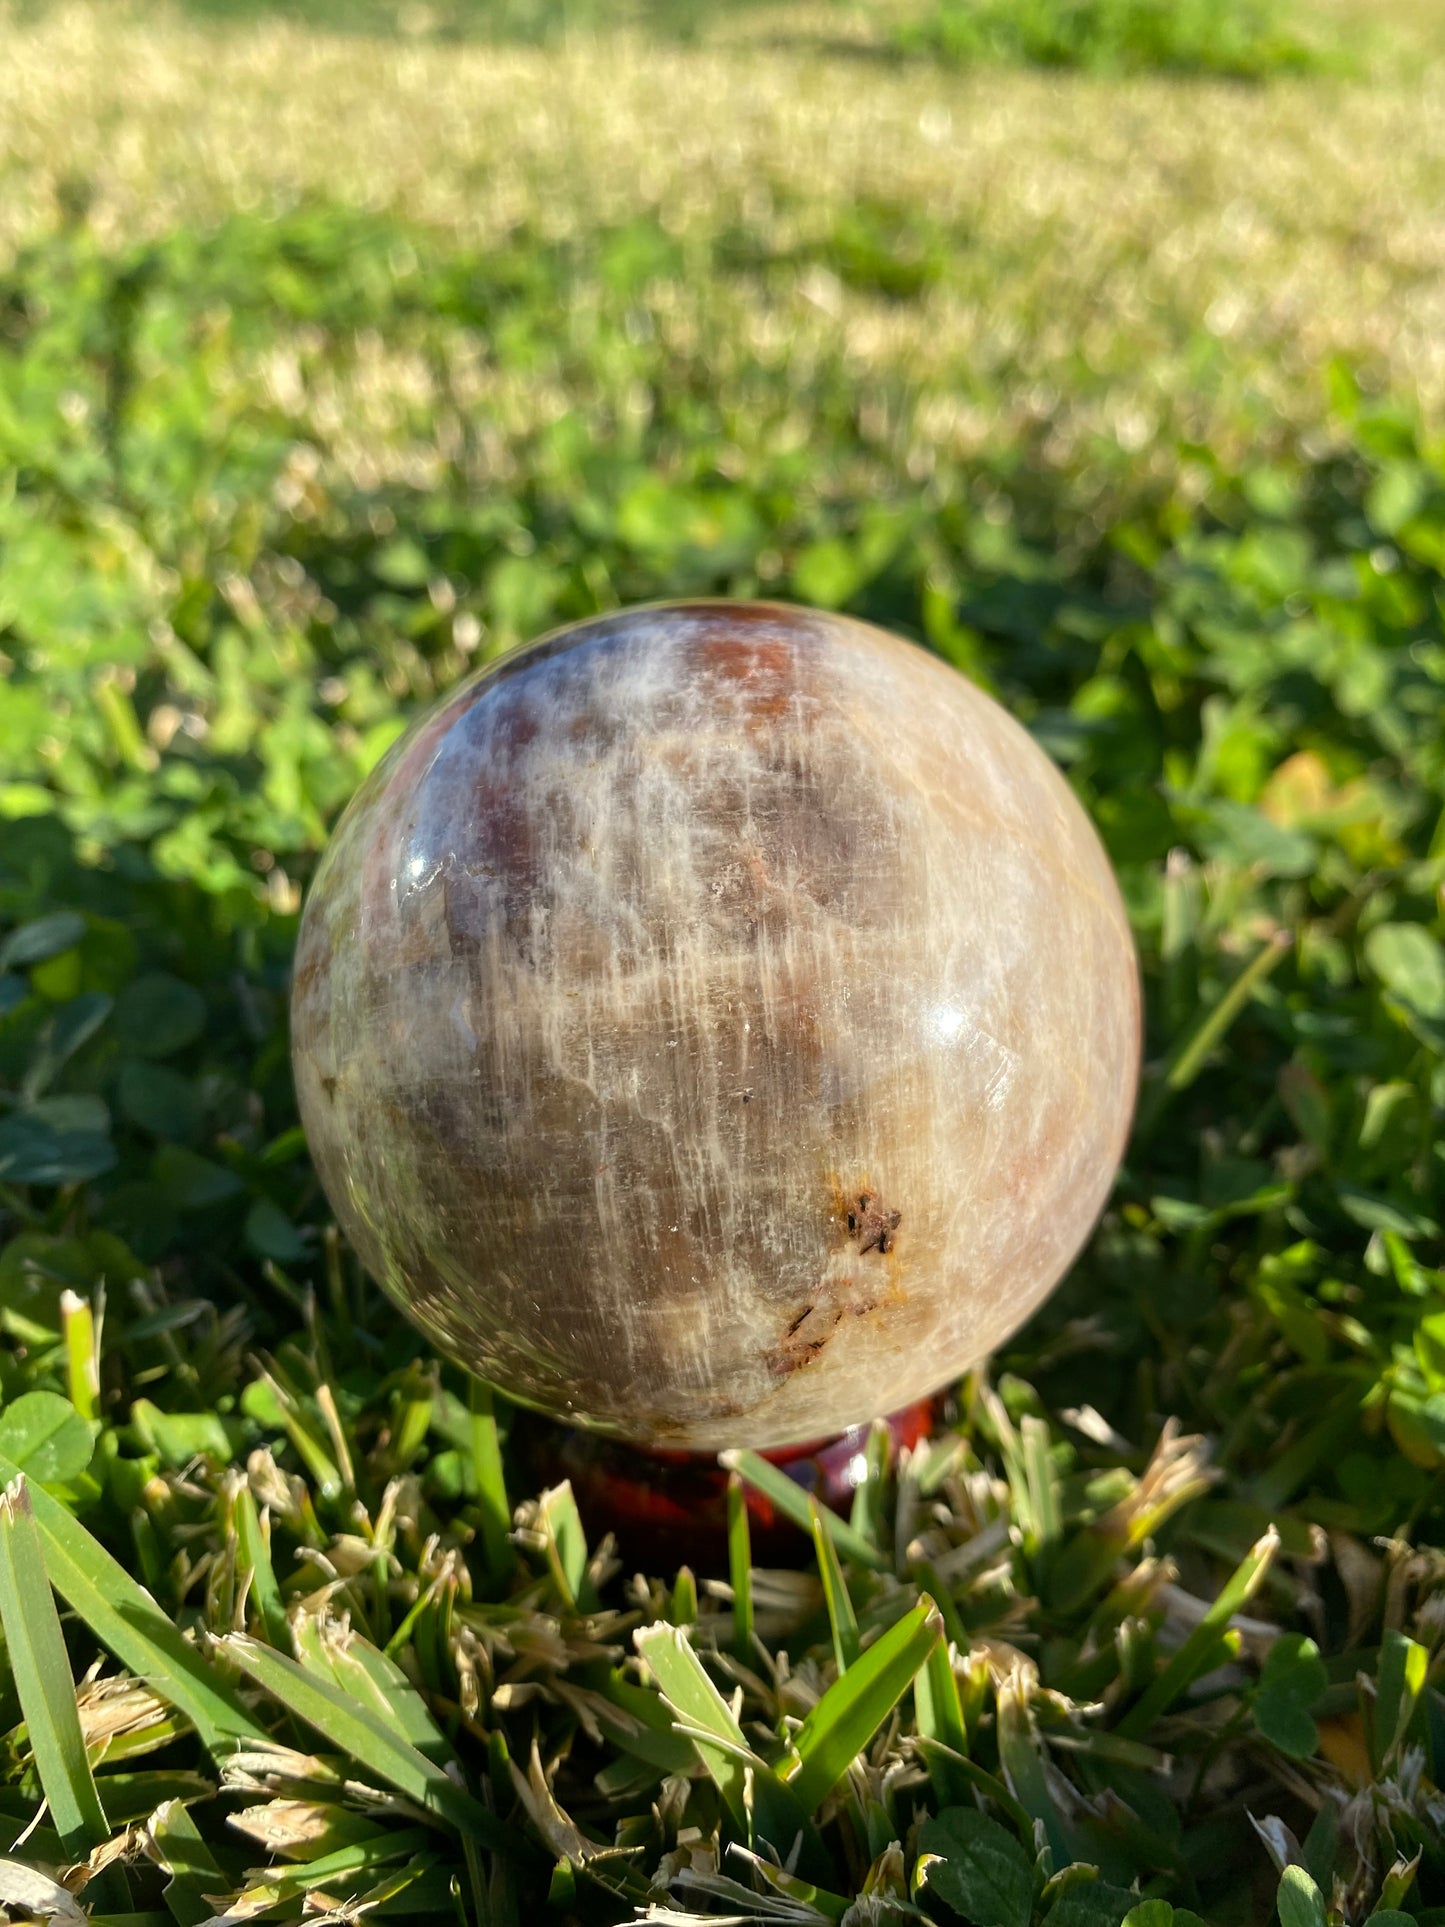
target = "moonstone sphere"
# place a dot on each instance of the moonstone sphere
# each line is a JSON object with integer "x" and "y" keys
{"x": 716, "y": 1023}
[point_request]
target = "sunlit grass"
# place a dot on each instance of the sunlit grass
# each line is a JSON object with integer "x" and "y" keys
{"x": 1131, "y": 264}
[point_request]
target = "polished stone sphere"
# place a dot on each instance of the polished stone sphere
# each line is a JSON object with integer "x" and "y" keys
{"x": 716, "y": 1023}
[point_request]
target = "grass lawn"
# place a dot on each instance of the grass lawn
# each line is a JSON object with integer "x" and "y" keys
{"x": 341, "y": 350}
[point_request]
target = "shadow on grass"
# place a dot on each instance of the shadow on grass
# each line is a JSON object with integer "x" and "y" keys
{"x": 1245, "y": 42}
{"x": 516, "y": 22}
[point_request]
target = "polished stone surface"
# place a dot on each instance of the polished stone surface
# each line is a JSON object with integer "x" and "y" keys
{"x": 718, "y": 1023}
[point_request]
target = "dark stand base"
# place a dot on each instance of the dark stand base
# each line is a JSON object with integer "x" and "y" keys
{"x": 670, "y": 1508}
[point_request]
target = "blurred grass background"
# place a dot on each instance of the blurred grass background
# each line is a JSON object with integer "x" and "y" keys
{"x": 1133, "y": 262}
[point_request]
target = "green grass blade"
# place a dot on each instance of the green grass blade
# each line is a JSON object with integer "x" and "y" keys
{"x": 288, "y": 1883}
{"x": 309, "y": 1649}
{"x": 740, "y": 1567}
{"x": 384, "y": 1893}
{"x": 682, "y": 1607}
{"x": 929, "y": 1579}
{"x": 1187, "y": 1663}
{"x": 490, "y": 1482}
{"x": 40, "y": 1668}
{"x": 374, "y": 1679}
{"x": 761, "y": 1804}
{"x": 417, "y": 1627}
{"x": 855, "y": 1706}
{"x": 715, "y": 1734}
{"x": 793, "y": 1502}
{"x": 1399, "y": 1682}
{"x": 566, "y": 1542}
{"x": 253, "y": 1557}
{"x": 336, "y": 1432}
{"x": 1189, "y": 1056}
{"x": 645, "y": 1731}
{"x": 187, "y": 1859}
{"x": 370, "y": 1739}
{"x": 129, "y": 1623}
{"x": 1011, "y": 1452}
{"x": 841, "y": 1617}
{"x": 940, "y": 1717}
{"x": 802, "y": 1892}
{"x": 82, "y": 1354}
{"x": 1021, "y": 1759}
{"x": 1043, "y": 1481}
{"x": 321, "y": 1468}
{"x": 411, "y": 1419}
{"x": 1188, "y": 1060}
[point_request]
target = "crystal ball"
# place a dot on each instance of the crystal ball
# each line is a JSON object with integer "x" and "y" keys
{"x": 716, "y": 1023}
